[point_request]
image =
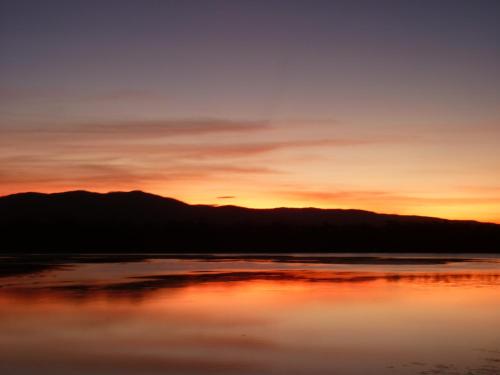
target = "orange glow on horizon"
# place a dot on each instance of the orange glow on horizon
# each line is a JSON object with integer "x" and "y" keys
{"x": 260, "y": 165}
{"x": 468, "y": 208}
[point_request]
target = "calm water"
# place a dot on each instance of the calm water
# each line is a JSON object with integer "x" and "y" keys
{"x": 236, "y": 315}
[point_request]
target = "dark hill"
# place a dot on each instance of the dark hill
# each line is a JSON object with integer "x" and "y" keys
{"x": 80, "y": 221}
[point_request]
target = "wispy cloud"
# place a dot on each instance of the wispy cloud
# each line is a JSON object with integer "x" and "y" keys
{"x": 127, "y": 95}
{"x": 138, "y": 129}
{"x": 356, "y": 198}
{"x": 23, "y": 94}
{"x": 257, "y": 148}
{"x": 104, "y": 174}
{"x": 138, "y": 153}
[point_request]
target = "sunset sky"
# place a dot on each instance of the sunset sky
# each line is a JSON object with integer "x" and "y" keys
{"x": 390, "y": 106}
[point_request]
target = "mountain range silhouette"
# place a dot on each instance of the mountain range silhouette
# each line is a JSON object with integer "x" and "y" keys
{"x": 82, "y": 221}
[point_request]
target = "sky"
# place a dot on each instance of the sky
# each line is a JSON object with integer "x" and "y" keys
{"x": 389, "y": 106}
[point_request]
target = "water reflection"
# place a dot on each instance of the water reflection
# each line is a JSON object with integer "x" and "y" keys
{"x": 250, "y": 320}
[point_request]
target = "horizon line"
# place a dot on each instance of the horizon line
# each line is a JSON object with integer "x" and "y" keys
{"x": 244, "y": 207}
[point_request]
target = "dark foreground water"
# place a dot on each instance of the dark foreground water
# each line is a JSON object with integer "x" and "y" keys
{"x": 302, "y": 314}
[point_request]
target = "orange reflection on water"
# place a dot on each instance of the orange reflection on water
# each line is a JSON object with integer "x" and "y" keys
{"x": 276, "y": 322}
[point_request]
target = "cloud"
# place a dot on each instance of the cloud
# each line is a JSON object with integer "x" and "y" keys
{"x": 121, "y": 153}
{"x": 24, "y": 94}
{"x": 355, "y": 198}
{"x": 86, "y": 164}
{"x": 328, "y": 196}
{"x": 12, "y": 94}
{"x": 127, "y": 94}
{"x": 246, "y": 149}
{"x": 137, "y": 129}
{"x": 107, "y": 174}
{"x": 480, "y": 189}
{"x": 138, "y": 154}
{"x": 167, "y": 128}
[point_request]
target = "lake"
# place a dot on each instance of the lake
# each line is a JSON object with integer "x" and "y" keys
{"x": 250, "y": 314}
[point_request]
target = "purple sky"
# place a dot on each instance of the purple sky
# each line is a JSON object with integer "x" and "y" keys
{"x": 386, "y": 105}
